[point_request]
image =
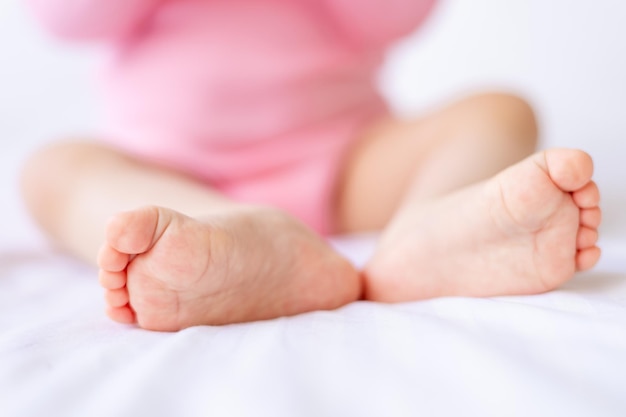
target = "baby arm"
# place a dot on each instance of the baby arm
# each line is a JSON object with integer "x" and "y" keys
{"x": 92, "y": 19}
{"x": 378, "y": 22}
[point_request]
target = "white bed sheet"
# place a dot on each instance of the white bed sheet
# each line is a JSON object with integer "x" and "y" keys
{"x": 561, "y": 353}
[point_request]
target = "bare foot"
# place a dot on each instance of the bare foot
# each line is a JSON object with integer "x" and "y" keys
{"x": 166, "y": 271}
{"x": 525, "y": 231}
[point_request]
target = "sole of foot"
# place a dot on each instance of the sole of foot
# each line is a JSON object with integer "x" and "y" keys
{"x": 166, "y": 271}
{"x": 527, "y": 230}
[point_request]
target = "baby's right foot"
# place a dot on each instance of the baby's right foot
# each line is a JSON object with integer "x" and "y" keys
{"x": 166, "y": 271}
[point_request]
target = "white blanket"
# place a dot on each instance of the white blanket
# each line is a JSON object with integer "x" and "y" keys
{"x": 557, "y": 354}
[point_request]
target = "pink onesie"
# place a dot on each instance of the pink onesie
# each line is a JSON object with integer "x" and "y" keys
{"x": 258, "y": 98}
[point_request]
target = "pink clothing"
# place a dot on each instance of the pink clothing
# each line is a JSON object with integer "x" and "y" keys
{"x": 259, "y": 98}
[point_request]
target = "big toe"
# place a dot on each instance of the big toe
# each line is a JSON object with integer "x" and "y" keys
{"x": 569, "y": 169}
{"x": 133, "y": 232}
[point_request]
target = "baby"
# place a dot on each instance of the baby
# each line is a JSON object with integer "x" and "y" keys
{"x": 241, "y": 132}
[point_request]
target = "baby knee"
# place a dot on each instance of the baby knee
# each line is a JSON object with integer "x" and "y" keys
{"x": 46, "y": 167}
{"x": 514, "y": 107}
{"x": 511, "y": 112}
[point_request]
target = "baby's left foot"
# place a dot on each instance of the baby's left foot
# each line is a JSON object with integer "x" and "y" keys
{"x": 525, "y": 231}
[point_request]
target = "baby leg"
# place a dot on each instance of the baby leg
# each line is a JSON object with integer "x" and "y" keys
{"x": 524, "y": 230}
{"x": 461, "y": 144}
{"x": 175, "y": 253}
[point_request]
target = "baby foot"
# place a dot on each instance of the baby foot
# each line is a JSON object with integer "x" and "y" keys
{"x": 166, "y": 271}
{"x": 525, "y": 231}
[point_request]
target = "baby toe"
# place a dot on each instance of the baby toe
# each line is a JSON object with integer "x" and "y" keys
{"x": 588, "y": 196}
{"x": 591, "y": 218}
{"x": 587, "y": 258}
{"x": 123, "y": 314}
{"x": 112, "y": 280}
{"x": 586, "y": 238}
{"x": 132, "y": 232}
{"x": 570, "y": 169}
{"x": 117, "y": 298}
{"x": 112, "y": 260}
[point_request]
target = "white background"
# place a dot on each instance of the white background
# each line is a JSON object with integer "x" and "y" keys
{"x": 568, "y": 57}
